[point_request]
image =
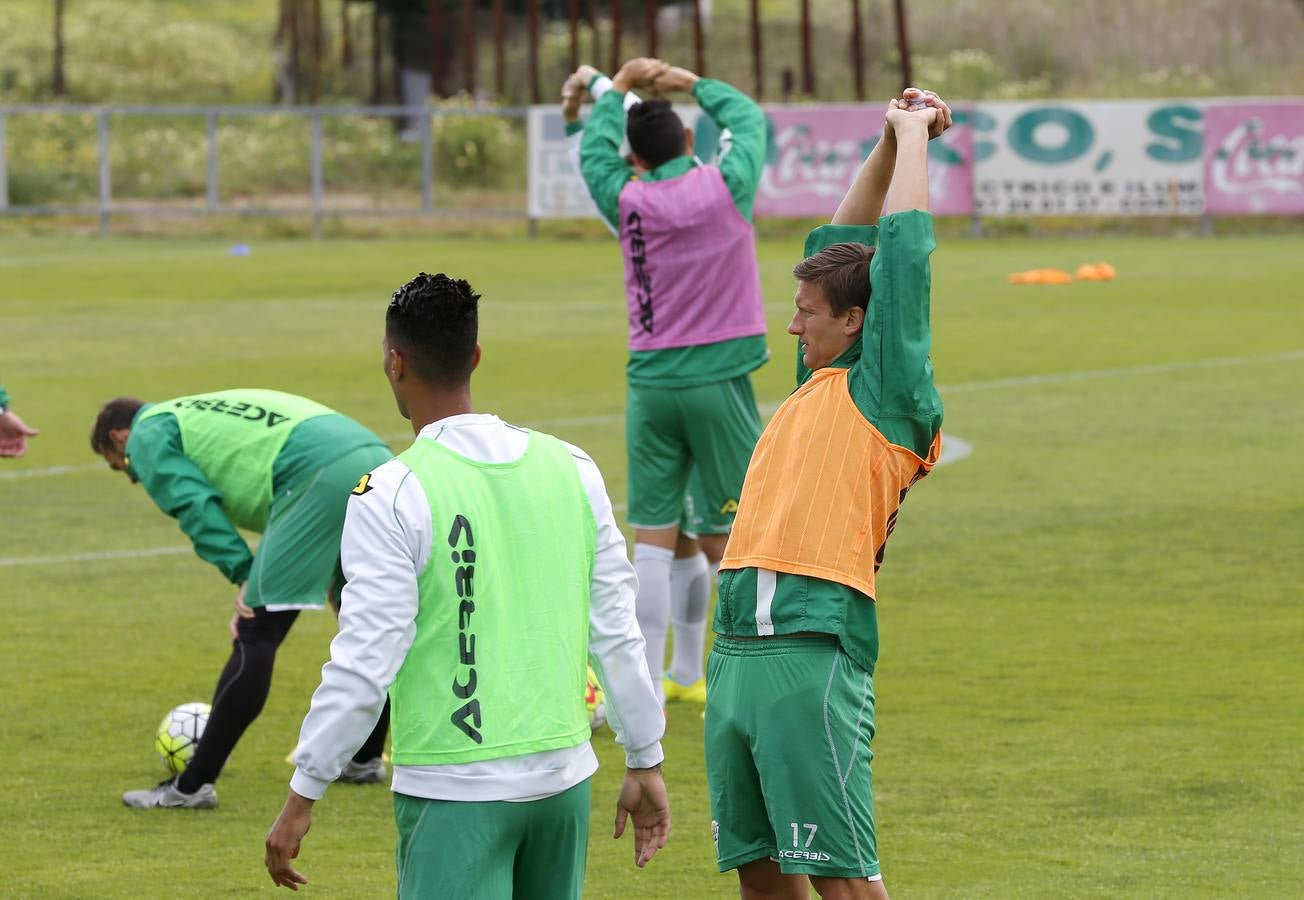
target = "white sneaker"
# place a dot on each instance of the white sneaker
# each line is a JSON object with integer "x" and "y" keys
{"x": 370, "y": 772}
{"x": 166, "y": 795}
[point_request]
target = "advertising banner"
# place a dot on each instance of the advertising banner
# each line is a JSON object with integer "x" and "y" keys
{"x": 1254, "y": 159}
{"x": 812, "y": 156}
{"x": 1126, "y": 157}
{"x": 1069, "y": 158}
{"x": 815, "y": 151}
{"x": 554, "y": 187}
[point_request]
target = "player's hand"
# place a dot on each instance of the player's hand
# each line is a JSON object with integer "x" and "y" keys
{"x": 900, "y": 116}
{"x": 284, "y": 839}
{"x": 914, "y": 97}
{"x": 675, "y": 79}
{"x": 586, "y": 74}
{"x": 14, "y": 433}
{"x": 643, "y": 796}
{"x": 242, "y": 611}
{"x": 572, "y": 95}
{"x": 639, "y": 72}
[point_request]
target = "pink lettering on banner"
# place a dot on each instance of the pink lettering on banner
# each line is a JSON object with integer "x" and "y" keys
{"x": 1254, "y": 159}
{"x": 817, "y": 151}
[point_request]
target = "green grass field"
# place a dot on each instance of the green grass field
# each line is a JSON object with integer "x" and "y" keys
{"x": 1091, "y": 680}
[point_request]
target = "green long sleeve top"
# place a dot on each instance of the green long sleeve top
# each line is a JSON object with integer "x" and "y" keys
{"x": 158, "y": 462}
{"x": 742, "y": 163}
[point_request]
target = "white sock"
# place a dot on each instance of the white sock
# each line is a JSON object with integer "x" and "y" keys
{"x": 690, "y": 595}
{"x": 652, "y": 564}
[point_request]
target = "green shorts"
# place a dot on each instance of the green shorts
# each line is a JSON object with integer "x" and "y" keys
{"x": 298, "y": 558}
{"x": 706, "y": 433}
{"x": 693, "y": 520}
{"x": 493, "y": 850}
{"x": 788, "y": 726}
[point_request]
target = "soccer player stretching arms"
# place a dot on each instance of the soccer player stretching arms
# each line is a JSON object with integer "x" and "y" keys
{"x": 696, "y": 332}
{"x": 484, "y": 566}
{"x": 790, "y": 708}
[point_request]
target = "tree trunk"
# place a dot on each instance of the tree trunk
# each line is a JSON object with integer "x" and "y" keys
{"x": 59, "y": 83}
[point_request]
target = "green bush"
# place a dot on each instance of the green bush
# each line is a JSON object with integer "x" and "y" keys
{"x": 134, "y": 52}
{"x": 479, "y": 151}
{"x": 52, "y": 159}
{"x": 55, "y": 158}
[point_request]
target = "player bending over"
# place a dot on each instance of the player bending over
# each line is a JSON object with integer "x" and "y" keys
{"x": 484, "y": 567}
{"x": 696, "y": 331}
{"x": 790, "y": 709}
{"x": 267, "y": 462}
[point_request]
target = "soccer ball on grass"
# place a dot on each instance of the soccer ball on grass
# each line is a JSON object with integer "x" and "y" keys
{"x": 179, "y": 733}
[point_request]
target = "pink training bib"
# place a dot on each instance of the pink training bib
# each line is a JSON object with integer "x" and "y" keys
{"x": 690, "y": 263}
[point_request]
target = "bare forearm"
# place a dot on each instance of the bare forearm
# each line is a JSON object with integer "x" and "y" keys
{"x": 864, "y": 200}
{"x": 910, "y": 173}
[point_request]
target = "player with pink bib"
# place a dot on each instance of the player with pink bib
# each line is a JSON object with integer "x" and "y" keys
{"x": 696, "y": 332}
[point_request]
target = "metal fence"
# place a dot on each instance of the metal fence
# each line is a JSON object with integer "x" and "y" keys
{"x": 105, "y": 206}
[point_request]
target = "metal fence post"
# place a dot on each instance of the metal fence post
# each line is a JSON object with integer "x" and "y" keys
{"x": 106, "y": 171}
{"x": 212, "y": 160}
{"x": 4, "y": 167}
{"x": 316, "y": 175}
{"x": 98, "y": 200}
{"x": 428, "y": 162}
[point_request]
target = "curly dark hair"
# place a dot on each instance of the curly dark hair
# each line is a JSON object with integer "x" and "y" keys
{"x": 435, "y": 320}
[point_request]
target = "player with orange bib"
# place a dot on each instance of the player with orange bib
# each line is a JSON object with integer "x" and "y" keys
{"x": 790, "y": 703}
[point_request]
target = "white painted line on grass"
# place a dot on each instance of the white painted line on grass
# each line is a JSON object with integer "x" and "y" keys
{"x": 1219, "y": 362}
{"x": 92, "y": 557}
{"x": 49, "y": 471}
{"x": 954, "y": 449}
{"x": 769, "y": 408}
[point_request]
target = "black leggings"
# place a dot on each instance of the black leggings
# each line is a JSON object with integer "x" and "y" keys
{"x": 241, "y": 692}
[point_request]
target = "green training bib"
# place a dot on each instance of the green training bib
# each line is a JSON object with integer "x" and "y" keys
{"x": 498, "y": 664}
{"x": 234, "y": 437}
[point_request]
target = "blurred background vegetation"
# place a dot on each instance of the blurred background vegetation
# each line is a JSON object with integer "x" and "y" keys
{"x": 235, "y": 52}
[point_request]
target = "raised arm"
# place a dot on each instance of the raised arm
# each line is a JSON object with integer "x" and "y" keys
{"x": 590, "y": 80}
{"x": 895, "y": 373}
{"x": 604, "y": 170}
{"x": 181, "y": 490}
{"x": 864, "y": 200}
{"x": 910, "y": 173}
{"x": 743, "y": 161}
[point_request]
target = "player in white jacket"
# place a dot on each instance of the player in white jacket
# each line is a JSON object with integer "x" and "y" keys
{"x": 484, "y": 567}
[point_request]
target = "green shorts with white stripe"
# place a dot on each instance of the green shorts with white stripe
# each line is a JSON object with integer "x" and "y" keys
{"x": 788, "y": 727}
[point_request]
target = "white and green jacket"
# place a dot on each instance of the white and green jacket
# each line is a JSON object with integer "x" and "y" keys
{"x": 386, "y": 546}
